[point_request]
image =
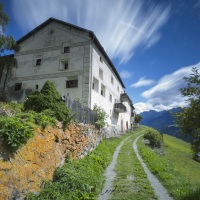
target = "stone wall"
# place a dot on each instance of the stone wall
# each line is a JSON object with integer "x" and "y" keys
{"x": 24, "y": 171}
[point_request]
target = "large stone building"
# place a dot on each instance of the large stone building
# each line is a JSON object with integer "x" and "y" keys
{"x": 75, "y": 61}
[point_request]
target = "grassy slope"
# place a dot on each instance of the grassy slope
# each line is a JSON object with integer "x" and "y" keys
{"x": 175, "y": 169}
{"x": 179, "y": 153}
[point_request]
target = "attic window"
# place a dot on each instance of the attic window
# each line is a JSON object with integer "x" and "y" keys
{"x": 38, "y": 61}
{"x": 66, "y": 49}
{"x": 18, "y": 86}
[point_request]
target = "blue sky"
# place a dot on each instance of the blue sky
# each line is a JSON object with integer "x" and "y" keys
{"x": 152, "y": 43}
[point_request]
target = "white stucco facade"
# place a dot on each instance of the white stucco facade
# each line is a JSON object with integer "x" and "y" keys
{"x": 75, "y": 61}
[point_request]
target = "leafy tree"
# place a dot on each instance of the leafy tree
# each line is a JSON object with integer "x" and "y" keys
{"x": 188, "y": 118}
{"x": 138, "y": 118}
{"x": 48, "y": 98}
{"x": 6, "y": 43}
{"x": 101, "y": 116}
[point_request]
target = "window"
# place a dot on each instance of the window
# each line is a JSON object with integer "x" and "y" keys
{"x": 66, "y": 49}
{"x": 72, "y": 82}
{"x": 103, "y": 90}
{"x": 101, "y": 74}
{"x": 18, "y": 86}
{"x": 110, "y": 98}
{"x": 36, "y": 87}
{"x": 112, "y": 80}
{"x": 95, "y": 85}
{"x": 101, "y": 60}
{"x": 38, "y": 61}
{"x": 118, "y": 88}
{"x": 66, "y": 65}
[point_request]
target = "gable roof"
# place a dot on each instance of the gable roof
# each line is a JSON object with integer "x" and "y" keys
{"x": 90, "y": 33}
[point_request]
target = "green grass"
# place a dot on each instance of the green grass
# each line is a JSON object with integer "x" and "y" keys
{"x": 82, "y": 179}
{"x": 179, "y": 153}
{"x": 175, "y": 168}
{"x": 131, "y": 181}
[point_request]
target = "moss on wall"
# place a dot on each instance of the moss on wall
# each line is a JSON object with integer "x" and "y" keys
{"x": 25, "y": 171}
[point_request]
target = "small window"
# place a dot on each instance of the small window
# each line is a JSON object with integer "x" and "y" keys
{"x": 66, "y": 49}
{"x": 103, "y": 90}
{"x": 110, "y": 98}
{"x": 101, "y": 74}
{"x": 18, "y": 86}
{"x": 71, "y": 83}
{"x": 118, "y": 88}
{"x": 38, "y": 61}
{"x": 36, "y": 87}
{"x": 95, "y": 85}
{"x": 112, "y": 80}
{"x": 101, "y": 60}
{"x": 66, "y": 66}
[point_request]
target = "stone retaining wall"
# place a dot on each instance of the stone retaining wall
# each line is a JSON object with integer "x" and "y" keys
{"x": 24, "y": 171}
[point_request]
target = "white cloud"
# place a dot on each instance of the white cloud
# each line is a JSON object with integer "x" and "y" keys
{"x": 141, "y": 107}
{"x": 125, "y": 74}
{"x": 142, "y": 82}
{"x": 121, "y": 26}
{"x": 166, "y": 94}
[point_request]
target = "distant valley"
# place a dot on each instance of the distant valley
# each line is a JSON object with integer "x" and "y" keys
{"x": 163, "y": 121}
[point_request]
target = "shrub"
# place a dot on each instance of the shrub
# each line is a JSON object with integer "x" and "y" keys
{"x": 101, "y": 116}
{"x": 43, "y": 119}
{"x": 154, "y": 137}
{"x": 48, "y": 99}
{"x": 15, "y": 132}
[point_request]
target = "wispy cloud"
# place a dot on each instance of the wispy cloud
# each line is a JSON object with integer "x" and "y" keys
{"x": 166, "y": 94}
{"x": 142, "y": 82}
{"x": 121, "y": 26}
{"x": 125, "y": 74}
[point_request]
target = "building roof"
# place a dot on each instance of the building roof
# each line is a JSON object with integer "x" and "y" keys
{"x": 90, "y": 33}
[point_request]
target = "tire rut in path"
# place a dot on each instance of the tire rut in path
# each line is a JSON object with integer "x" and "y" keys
{"x": 159, "y": 190}
{"x": 110, "y": 174}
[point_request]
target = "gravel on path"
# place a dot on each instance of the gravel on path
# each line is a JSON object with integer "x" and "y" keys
{"x": 110, "y": 174}
{"x": 159, "y": 190}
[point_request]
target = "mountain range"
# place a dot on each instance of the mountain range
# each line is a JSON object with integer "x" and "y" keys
{"x": 163, "y": 121}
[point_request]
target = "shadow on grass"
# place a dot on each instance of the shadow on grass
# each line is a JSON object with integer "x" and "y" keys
{"x": 194, "y": 195}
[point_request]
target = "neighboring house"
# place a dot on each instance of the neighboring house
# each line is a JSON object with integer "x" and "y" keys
{"x": 75, "y": 61}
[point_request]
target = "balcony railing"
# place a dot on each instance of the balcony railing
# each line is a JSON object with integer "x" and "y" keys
{"x": 119, "y": 108}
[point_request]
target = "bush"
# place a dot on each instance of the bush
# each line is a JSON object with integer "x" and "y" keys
{"x": 154, "y": 137}
{"x": 48, "y": 99}
{"x": 43, "y": 119}
{"x": 15, "y": 132}
{"x": 101, "y": 116}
